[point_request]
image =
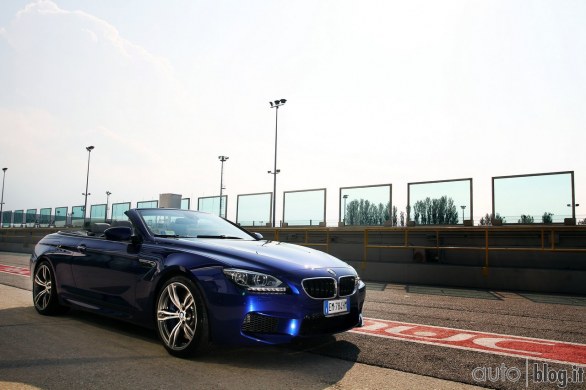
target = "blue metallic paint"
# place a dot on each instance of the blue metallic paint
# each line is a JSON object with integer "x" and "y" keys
{"x": 121, "y": 279}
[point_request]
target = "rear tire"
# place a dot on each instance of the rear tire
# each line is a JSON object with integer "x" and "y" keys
{"x": 44, "y": 291}
{"x": 181, "y": 316}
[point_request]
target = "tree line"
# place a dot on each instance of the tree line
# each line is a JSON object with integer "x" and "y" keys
{"x": 365, "y": 213}
{"x": 430, "y": 211}
{"x": 440, "y": 211}
{"x": 437, "y": 211}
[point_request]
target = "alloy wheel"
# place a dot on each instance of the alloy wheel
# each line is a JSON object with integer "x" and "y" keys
{"x": 177, "y": 316}
{"x": 42, "y": 287}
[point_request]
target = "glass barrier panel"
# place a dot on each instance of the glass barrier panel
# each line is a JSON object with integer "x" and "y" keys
{"x": 45, "y": 217}
{"x": 118, "y": 210}
{"x": 185, "y": 203}
{"x": 304, "y": 208}
{"x": 98, "y": 213}
{"x": 77, "y": 216}
{"x": 254, "y": 209}
{"x": 212, "y": 204}
{"x": 367, "y": 205}
{"x": 31, "y": 217}
{"x": 445, "y": 202}
{"x": 6, "y": 219}
{"x": 538, "y": 198}
{"x": 60, "y": 216}
{"x": 18, "y": 218}
{"x": 147, "y": 204}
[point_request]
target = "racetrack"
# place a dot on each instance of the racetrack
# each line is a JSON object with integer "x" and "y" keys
{"x": 80, "y": 350}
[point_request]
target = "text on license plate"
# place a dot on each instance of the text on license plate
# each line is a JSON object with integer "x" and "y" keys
{"x": 336, "y": 306}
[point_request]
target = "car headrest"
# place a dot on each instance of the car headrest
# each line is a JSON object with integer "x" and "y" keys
{"x": 122, "y": 223}
{"x": 99, "y": 227}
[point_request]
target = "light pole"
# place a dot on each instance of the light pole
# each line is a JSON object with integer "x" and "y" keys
{"x": 276, "y": 104}
{"x": 223, "y": 160}
{"x": 345, "y": 199}
{"x": 462, "y": 207}
{"x": 87, "y": 180}
{"x": 86, "y": 194}
{"x": 108, "y": 193}
{"x": 2, "y": 199}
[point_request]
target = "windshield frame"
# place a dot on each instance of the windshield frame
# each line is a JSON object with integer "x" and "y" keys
{"x": 178, "y": 223}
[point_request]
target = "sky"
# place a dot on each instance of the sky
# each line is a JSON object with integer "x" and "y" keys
{"x": 378, "y": 92}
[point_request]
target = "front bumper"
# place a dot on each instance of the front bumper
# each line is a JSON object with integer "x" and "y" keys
{"x": 237, "y": 317}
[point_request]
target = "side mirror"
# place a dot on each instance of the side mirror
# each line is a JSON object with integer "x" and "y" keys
{"x": 118, "y": 233}
{"x": 258, "y": 236}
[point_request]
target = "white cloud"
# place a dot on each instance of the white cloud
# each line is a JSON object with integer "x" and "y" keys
{"x": 72, "y": 58}
{"x": 68, "y": 79}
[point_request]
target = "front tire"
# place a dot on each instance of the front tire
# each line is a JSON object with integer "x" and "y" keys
{"x": 182, "y": 322}
{"x": 44, "y": 291}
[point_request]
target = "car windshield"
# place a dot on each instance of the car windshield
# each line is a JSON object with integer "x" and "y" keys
{"x": 190, "y": 224}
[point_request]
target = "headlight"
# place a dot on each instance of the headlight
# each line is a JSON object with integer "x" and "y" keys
{"x": 255, "y": 281}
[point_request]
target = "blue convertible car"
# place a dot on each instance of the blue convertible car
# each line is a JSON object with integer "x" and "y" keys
{"x": 196, "y": 278}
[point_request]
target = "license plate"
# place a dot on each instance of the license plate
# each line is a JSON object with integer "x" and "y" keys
{"x": 336, "y": 306}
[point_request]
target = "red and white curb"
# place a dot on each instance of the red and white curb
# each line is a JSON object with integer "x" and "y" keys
{"x": 494, "y": 343}
{"x": 10, "y": 269}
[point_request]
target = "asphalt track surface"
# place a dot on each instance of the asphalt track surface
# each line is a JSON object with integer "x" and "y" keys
{"x": 81, "y": 350}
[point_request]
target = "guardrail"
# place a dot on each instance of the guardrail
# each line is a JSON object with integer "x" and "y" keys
{"x": 304, "y": 231}
{"x": 541, "y": 238}
{"x": 546, "y": 239}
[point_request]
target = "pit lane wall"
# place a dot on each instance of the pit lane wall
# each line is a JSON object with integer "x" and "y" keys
{"x": 22, "y": 240}
{"x": 538, "y": 258}
{"x": 541, "y": 258}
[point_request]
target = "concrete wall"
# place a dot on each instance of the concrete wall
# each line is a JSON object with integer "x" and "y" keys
{"x": 493, "y": 278}
{"x": 520, "y": 258}
{"x": 22, "y": 240}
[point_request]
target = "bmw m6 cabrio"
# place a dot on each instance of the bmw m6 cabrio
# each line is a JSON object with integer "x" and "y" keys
{"x": 196, "y": 278}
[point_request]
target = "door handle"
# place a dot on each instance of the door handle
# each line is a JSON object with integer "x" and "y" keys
{"x": 82, "y": 248}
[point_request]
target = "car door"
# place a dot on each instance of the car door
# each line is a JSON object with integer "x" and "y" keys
{"x": 106, "y": 275}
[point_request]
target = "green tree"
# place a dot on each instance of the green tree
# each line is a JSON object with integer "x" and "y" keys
{"x": 352, "y": 213}
{"x": 526, "y": 219}
{"x": 437, "y": 211}
{"x": 364, "y": 213}
{"x": 547, "y": 217}
{"x": 363, "y": 210}
{"x": 488, "y": 218}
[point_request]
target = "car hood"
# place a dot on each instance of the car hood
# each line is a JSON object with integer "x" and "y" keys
{"x": 263, "y": 255}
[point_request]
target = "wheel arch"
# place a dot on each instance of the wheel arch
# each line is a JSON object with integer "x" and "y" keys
{"x": 42, "y": 259}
